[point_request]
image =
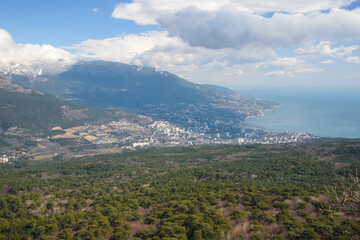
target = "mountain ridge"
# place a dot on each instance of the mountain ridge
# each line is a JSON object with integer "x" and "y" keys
{"x": 120, "y": 77}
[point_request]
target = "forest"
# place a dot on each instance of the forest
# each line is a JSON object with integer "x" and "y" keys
{"x": 304, "y": 191}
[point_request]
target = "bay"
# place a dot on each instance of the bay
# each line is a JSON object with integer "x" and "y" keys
{"x": 321, "y": 111}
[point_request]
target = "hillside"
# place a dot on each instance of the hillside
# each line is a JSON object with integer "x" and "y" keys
{"x": 208, "y": 192}
{"x": 43, "y": 126}
{"x": 39, "y": 112}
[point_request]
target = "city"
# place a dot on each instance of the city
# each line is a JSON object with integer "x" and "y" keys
{"x": 117, "y": 136}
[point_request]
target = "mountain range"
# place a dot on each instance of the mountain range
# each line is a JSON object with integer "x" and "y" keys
{"x": 151, "y": 92}
{"x": 121, "y": 85}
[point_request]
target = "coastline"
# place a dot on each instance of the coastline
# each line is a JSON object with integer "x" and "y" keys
{"x": 324, "y": 112}
{"x": 263, "y": 111}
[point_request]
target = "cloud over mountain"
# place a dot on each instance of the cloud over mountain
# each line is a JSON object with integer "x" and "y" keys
{"x": 31, "y": 59}
{"x": 310, "y": 32}
{"x": 157, "y": 49}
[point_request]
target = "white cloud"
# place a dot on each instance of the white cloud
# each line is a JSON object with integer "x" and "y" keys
{"x": 280, "y": 73}
{"x": 236, "y": 72}
{"x": 329, "y": 50}
{"x": 95, "y": 10}
{"x": 287, "y": 62}
{"x": 231, "y": 28}
{"x": 326, "y": 48}
{"x": 235, "y": 24}
{"x": 293, "y": 71}
{"x": 287, "y": 67}
{"x": 31, "y": 59}
{"x": 355, "y": 59}
{"x": 157, "y": 49}
{"x": 303, "y": 69}
{"x": 148, "y": 12}
{"x": 123, "y": 48}
{"x": 327, "y": 61}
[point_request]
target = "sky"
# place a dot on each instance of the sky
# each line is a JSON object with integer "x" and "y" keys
{"x": 223, "y": 42}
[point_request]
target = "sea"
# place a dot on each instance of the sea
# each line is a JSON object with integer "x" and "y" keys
{"x": 321, "y": 111}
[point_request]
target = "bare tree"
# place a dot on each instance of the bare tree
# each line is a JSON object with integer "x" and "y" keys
{"x": 345, "y": 198}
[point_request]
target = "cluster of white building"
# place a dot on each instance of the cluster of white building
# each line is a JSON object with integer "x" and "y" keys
{"x": 167, "y": 128}
{"x": 4, "y": 159}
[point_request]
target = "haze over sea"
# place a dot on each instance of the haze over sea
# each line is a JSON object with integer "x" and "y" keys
{"x": 322, "y": 111}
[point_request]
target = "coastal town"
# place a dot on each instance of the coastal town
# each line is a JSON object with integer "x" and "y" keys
{"x": 127, "y": 135}
{"x": 130, "y": 135}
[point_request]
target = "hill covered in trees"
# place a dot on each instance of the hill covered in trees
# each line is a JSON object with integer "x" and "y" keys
{"x": 39, "y": 112}
{"x": 207, "y": 192}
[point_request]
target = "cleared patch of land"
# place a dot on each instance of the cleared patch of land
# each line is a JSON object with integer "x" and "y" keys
{"x": 69, "y": 133}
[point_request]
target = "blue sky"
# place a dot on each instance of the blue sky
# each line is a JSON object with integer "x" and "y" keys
{"x": 231, "y": 43}
{"x": 62, "y": 22}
